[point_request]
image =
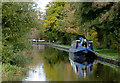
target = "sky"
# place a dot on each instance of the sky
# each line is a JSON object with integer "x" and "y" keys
{"x": 42, "y": 4}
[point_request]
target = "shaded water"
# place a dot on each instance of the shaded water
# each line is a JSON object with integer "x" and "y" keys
{"x": 50, "y": 64}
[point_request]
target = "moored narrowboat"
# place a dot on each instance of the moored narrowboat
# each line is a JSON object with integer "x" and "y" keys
{"x": 81, "y": 51}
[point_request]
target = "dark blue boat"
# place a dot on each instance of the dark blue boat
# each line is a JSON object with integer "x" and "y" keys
{"x": 81, "y": 51}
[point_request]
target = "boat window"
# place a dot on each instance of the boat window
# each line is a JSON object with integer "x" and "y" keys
{"x": 84, "y": 44}
{"x": 90, "y": 45}
{"x": 78, "y": 43}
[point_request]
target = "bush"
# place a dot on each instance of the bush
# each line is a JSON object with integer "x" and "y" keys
{"x": 21, "y": 60}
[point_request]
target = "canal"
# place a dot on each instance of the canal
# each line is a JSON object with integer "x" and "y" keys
{"x": 50, "y": 64}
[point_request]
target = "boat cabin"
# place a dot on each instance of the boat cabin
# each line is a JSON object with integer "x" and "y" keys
{"x": 82, "y": 43}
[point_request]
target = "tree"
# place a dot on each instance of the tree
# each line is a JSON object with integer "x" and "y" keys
{"x": 17, "y": 21}
{"x": 96, "y": 21}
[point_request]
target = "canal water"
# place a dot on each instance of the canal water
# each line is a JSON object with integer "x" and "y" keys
{"x": 50, "y": 64}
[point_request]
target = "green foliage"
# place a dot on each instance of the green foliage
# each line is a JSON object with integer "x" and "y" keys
{"x": 92, "y": 35}
{"x": 107, "y": 25}
{"x": 21, "y": 60}
{"x": 17, "y": 21}
{"x": 54, "y": 14}
{"x": 10, "y": 68}
{"x": 96, "y": 21}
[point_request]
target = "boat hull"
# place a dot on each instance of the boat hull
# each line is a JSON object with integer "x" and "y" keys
{"x": 83, "y": 57}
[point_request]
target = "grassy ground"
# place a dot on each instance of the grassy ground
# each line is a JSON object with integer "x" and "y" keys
{"x": 108, "y": 53}
{"x": 8, "y": 69}
{"x": 103, "y": 52}
{"x": 18, "y": 69}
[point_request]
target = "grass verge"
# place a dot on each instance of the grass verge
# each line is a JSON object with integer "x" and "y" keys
{"x": 18, "y": 66}
{"x": 108, "y": 53}
{"x": 11, "y": 69}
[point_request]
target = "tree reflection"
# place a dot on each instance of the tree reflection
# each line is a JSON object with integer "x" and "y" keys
{"x": 53, "y": 56}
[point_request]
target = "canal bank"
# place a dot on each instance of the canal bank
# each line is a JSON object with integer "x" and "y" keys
{"x": 102, "y": 59}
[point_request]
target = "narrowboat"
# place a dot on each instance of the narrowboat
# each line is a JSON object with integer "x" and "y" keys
{"x": 81, "y": 51}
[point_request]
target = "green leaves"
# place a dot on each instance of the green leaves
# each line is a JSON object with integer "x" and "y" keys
{"x": 17, "y": 20}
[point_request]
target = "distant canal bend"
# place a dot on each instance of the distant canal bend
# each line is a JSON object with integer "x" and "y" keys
{"x": 50, "y": 64}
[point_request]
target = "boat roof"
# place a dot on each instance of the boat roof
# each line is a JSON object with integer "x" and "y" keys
{"x": 77, "y": 40}
{"x": 81, "y": 38}
{"x": 90, "y": 41}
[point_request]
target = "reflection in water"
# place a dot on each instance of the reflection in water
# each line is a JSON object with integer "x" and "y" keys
{"x": 36, "y": 70}
{"x": 36, "y": 74}
{"x": 81, "y": 69}
{"x": 41, "y": 47}
{"x": 53, "y": 56}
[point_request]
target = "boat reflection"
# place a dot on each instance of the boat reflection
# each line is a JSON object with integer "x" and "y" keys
{"x": 82, "y": 70}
